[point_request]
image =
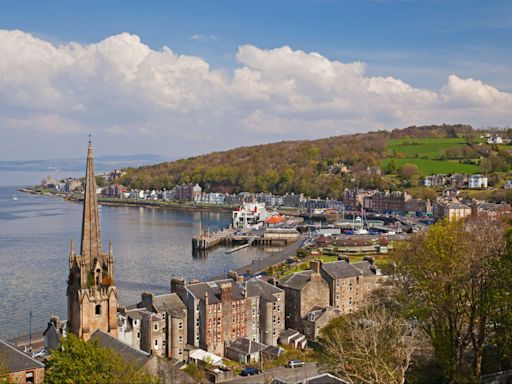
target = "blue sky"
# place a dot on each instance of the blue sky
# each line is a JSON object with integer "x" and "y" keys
{"x": 428, "y": 40}
{"x": 420, "y": 43}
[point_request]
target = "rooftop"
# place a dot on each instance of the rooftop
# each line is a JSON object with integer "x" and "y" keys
{"x": 260, "y": 288}
{"x": 129, "y": 353}
{"x": 212, "y": 288}
{"x": 296, "y": 280}
{"x": 341, "y": 269}
{"x": 17, "y": 360}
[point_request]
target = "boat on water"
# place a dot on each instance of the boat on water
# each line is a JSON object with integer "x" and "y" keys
{"x": 15, "y": 197}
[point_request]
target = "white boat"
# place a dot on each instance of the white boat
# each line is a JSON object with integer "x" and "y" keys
{"x": 15, "y": 198}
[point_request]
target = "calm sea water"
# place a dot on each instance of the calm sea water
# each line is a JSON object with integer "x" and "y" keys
{"x": 150, "y": 245}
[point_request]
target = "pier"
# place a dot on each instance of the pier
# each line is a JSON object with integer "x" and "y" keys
{"x": 207, "y": 240}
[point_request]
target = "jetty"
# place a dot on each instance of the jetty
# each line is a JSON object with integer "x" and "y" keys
{"x": 206, "y": 240}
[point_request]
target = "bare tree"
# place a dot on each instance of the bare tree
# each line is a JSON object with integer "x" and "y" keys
{"x": 372, "y": 346}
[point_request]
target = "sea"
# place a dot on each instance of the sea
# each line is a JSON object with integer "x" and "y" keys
{"x": 150, "y": 246}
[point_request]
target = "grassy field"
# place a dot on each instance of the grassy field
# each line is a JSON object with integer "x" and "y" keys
{"x": 430, "y": 148}
{"x": 424, "y": 152}
{"x": 428, "y": 166}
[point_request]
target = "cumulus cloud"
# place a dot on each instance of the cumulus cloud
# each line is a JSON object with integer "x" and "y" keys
{"x": 177, "y": 104}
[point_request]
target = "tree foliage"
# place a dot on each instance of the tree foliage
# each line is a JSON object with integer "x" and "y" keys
{"x": 80, "y": 362}
{"x": 450, "y": 278}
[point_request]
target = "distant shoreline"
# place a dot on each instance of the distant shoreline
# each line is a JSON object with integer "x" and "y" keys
{"x": 137, "y": 203}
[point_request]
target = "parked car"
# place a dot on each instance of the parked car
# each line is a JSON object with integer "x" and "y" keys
{"x": 295, "y": 364}
{"x": 250, "y": 371}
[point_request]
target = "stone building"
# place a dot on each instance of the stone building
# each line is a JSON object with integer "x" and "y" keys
{"x": 20, "y": 367}
{"x": 451, "y": 209}
{"x": 271, "y": 309}
{"x": 174, "y": 312}
{"x": 217, "y": 312}
{"x": 349, "y": 284}
{"x": 91, "y": 292}
{"x": 327, "y": 290}
{"x": 152, "y": 333}
{"x": 303, "y": 291}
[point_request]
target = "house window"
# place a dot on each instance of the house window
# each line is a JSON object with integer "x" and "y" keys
{"x": 180, "y": 325}
{"x": 156, "y": 327}
{"x": 138, "y": 335}
{"x": 29, "y": 377}
{"x": 97, "y": 310}
{"x": 156, "y": 344}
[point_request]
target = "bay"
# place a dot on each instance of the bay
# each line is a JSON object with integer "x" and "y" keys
{"x": 150, "y": 246}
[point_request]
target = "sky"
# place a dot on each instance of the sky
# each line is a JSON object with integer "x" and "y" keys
{"x": 180, "y": 78}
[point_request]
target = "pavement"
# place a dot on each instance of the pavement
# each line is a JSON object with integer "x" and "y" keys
{"x": 287, "y": 375}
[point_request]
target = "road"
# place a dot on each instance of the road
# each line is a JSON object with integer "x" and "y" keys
{"x": 288, "y": 375}
{"x": 261, "y": 265}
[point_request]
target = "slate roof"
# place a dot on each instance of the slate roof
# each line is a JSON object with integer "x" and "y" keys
{"x": 246, "y": 346}
{"x": 170, "y": 303}
{"x": 367, "y": 268}
{"x": 135, "y": 314}
{"x": 341, "y": 269}
{"x": 296, "y": 280}
{"x": 199, "y": 290}
{"x": 17, "y": 360}
{"x": 260, "y": 288}
{"x": 129, "y": 353}
{"x": 287, "y": 333}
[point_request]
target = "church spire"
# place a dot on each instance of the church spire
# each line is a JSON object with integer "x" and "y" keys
{"x": 91, "y": 237}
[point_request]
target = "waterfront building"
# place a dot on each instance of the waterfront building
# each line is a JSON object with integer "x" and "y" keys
{"x": 91, "y": 292}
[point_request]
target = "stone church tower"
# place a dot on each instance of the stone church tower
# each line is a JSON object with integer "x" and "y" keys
{"x": 92, "y": 294}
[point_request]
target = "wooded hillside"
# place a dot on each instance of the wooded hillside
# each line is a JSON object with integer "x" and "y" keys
{"x": 309, "y": 167}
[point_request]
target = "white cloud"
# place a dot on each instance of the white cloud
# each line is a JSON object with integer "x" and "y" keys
{"x": 177, "y": 104}
{"x": 203, "y": 38}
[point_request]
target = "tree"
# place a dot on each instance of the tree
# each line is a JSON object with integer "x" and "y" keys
{"x": 80, "y": 362}
{"x": 374, "y": 345}
{"x": 447, "y": 276}
{"x": 408, "y": 172}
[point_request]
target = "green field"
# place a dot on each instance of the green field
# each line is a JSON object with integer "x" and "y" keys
{"x": 429, "y": 148}
{"x": 429, "y": 166}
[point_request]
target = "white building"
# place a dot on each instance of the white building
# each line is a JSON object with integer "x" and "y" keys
{"x": 477, "y": 181}
{"x": 250, "y": 214}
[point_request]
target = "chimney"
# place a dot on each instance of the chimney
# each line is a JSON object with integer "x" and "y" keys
{"x": 225, "y": 291}
{"x": 369, "y": 259}
{"x": 147, "y": 299}
{"x": 177, "y": 284}
{"x": 271, "y": 280}
{"x": 315, "y": 265}
{"x": 235, "y": 276}
{"x": 54, "y": 320}
{"x": 344, "y": 258}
